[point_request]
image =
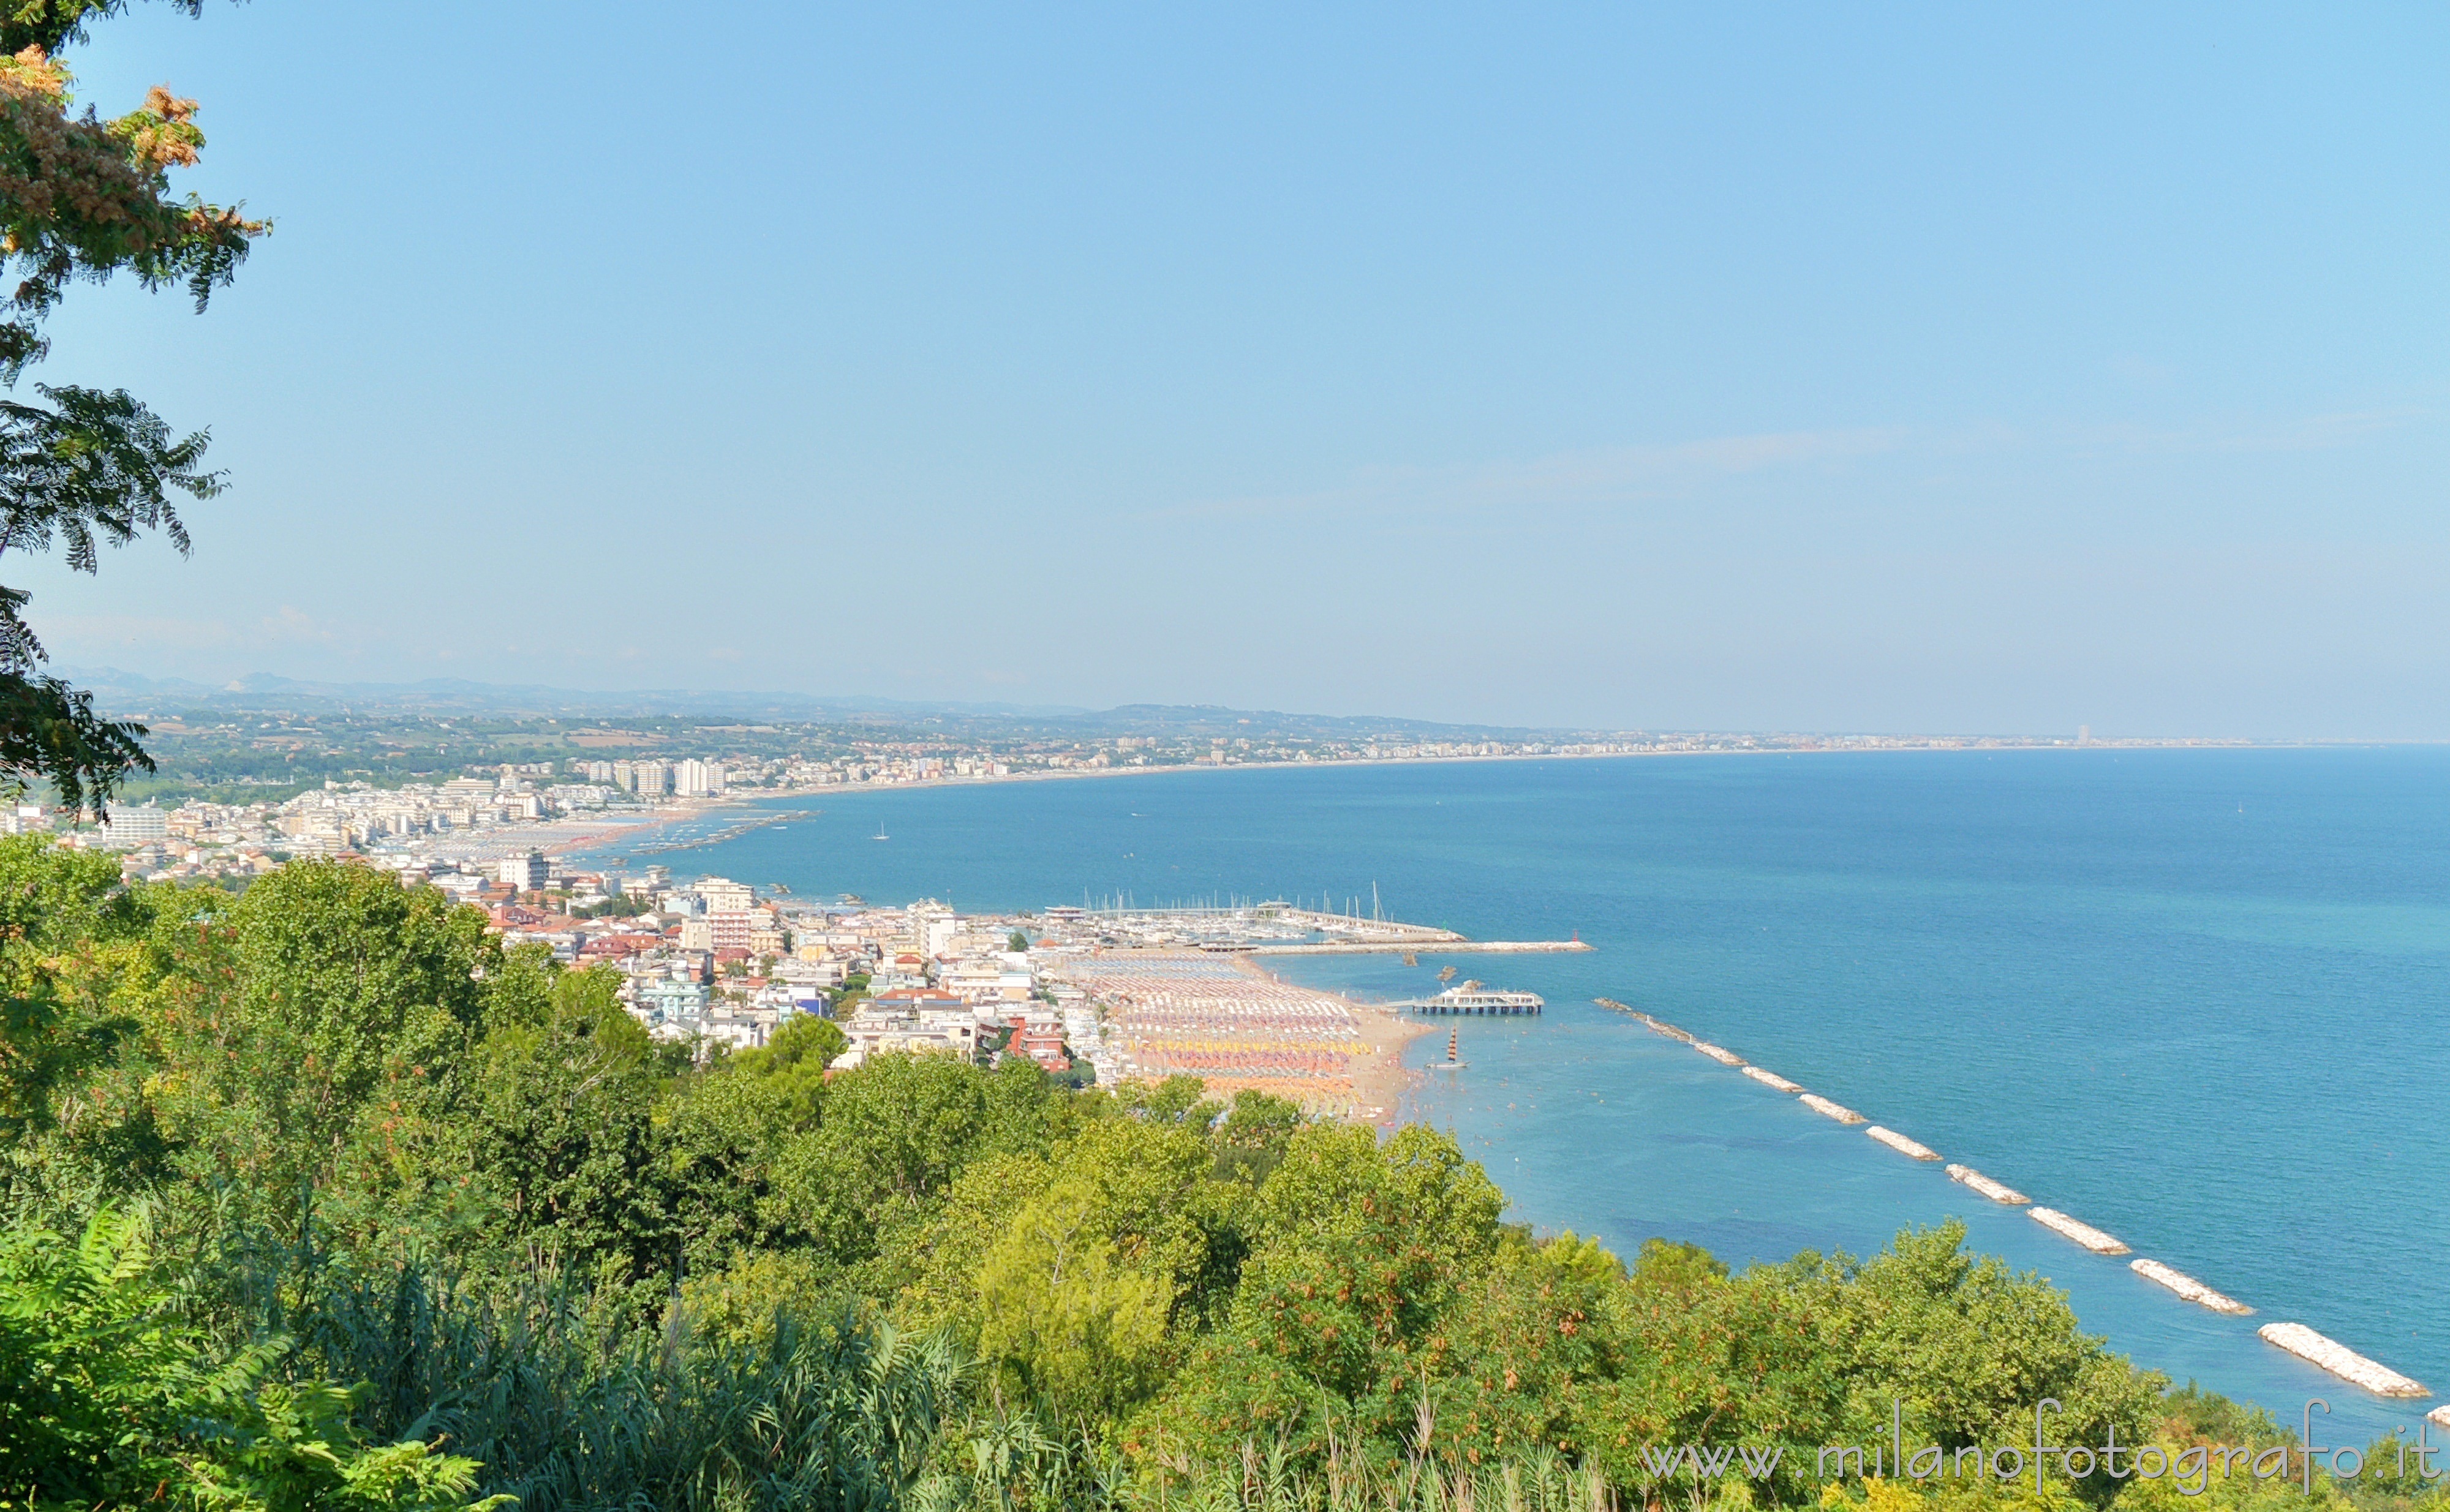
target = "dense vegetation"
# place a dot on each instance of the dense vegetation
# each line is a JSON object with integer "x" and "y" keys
{"x": 318, "y": 1198}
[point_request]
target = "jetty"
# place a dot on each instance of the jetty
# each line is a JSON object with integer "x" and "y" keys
{"x": 1771, "y": 1078}
{"x": 1276, "y": 927}
{"x": 1656, "y": 1026}
{"x": 1471, "y": 997}
{"x": 2083, "y": 1233}
{"x": 2188, "y": 1288}
{"x": 1996, "y": 1191}
{"x": 1829, "y": 1110}
{"x": 2339, "y": 1359}
{"x": 1901, "y": 1144}
{"x": 1400, "y": 947}
{"x": 1725, "y": 1057}
{"x": 729, "y": 832}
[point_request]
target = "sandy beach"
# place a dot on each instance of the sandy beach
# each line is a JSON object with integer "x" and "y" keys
{"x": 1379, "y": 1078}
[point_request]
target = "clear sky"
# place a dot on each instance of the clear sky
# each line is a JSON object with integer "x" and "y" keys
{"x": 1862, "y": 368}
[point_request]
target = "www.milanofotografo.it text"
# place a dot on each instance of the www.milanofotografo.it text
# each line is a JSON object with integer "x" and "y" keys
{"x": 2190, "y": 1468}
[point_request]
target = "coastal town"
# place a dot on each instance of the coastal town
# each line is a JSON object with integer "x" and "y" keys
{"x": 239, "y": 791}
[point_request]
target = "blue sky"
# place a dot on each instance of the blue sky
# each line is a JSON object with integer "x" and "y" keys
{"x": 1844, "y": 368}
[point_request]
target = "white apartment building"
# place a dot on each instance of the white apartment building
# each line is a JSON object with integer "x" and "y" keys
{"x": 528, "y": 873}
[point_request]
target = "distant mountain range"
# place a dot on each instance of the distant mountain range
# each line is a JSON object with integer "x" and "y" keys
{"x": 125, "y": 693}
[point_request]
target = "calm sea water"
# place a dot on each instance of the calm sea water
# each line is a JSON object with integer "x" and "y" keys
{"x": 2193, "y": 997}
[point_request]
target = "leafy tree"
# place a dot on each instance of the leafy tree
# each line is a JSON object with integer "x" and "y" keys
{"x": 355, "y": 983}
{"x": 892, "y": 1140}
{"x": 82, "y": 198}
{"x": 1058, "y": 1299}
{"x": 55, "y": 907}
{"x": 1969, "y": 1345}
{"x": 562, "y": 1127}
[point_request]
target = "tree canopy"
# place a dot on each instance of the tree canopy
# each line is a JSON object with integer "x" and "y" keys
{"x": 86, "y": 198}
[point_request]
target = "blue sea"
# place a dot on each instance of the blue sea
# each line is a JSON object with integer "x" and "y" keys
{"x": 2195, "y": 997}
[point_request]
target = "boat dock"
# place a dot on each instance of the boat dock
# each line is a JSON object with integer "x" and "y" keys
{"x": 1471, "y": 997}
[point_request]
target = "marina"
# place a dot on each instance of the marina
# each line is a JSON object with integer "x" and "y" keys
{"x": 1276, "y": 927}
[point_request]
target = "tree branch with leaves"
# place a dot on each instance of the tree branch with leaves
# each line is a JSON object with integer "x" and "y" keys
{"x": 82, "y": 197}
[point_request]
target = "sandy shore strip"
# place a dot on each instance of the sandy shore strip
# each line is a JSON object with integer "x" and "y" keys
{"x": 1901, "y": 1144}
{"x": 631, "y": 829}
{"x": 2188, "y": 1288}
{"x": 1226, "y": 1020}
{"x": 1996, "y": 1191}
{"x": 1379, "y": 1077}
{"x": 2339, "y": 1359}
{"x": 2083, "y": 1233}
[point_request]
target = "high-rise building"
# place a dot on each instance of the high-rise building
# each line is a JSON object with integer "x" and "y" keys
{"x": 528, "y": 873}
{"x": 652, "y": 779}
{"x": 135, "y": 826}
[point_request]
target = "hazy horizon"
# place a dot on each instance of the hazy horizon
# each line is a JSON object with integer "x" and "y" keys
{"x": 1738, "y": 369}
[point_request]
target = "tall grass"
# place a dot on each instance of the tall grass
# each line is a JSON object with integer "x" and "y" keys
{"x": 1541, "y": 1481}
{"x": 841, "y": 1411}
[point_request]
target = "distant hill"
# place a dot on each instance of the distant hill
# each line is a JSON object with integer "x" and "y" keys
{"x": 123, "y": 693}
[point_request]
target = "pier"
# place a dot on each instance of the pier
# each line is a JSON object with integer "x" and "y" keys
{"x": 1400, "y": 947}
{"x": 1277, "y": 928}
{"x": 1471, "y": 997}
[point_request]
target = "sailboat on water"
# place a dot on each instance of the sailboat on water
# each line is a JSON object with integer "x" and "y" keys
{"x": 1454, "y": 1062}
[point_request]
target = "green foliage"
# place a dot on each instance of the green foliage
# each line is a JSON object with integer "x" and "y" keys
{"x": 423, "y": 1189}
{"x": 63, "y": 917}
{"x": 110, "y": 1401}
{"x": 358, "y": 981}
{"x": 82, "y": 198}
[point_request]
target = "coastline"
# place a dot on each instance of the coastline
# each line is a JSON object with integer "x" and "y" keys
{"x": 1380, "y": 1079}
{"x": 656, "y": 820}
{"x": 1971, "y": 743}
{"x": 1381, "y": 1084}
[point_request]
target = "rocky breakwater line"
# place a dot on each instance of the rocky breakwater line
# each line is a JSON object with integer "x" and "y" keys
{"x": 2339, "y": 1359}
{"x": 2294, "y": 1337}
{"x": 2188, "y": 1288}
{"x": 1996, "y": 1191}
{"x": 1901, "y": 1144}
{"x": 2083, "y": 1233}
